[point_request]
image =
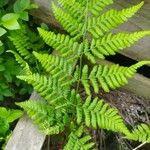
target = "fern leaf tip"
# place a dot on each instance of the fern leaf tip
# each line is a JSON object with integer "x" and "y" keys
{"x": 140, "y": 64}
{"x": 35, "y": 53}
{"x": 10, "y": 51}
{"x": 40, "y": 29}
{"x": 138, "y": 6}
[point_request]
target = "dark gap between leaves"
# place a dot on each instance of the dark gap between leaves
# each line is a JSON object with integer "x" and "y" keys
{"x": 126, "y": 61}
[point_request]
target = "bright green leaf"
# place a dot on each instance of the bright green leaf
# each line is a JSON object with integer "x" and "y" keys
{"x": 2, "y": 31}
{"x": 9, "y": 21}
{"x": 11, "y": 114}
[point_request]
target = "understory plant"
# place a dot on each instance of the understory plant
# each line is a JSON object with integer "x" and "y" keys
{"x": 13, "y": 18}
{"x": 89, "y": 35}
{"x": 7, "y": 116}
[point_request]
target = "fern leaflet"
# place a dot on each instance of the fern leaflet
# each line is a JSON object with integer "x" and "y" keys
{"x": 112, "y": 43}
{"x": 22, "y": 42}
{"x": 141, "y": 133}
{"x": 23, "y": 64}
{"x": 64, "y": 44}
{"x": 69, "y": 23}
{"x": 107, "y": 77}
{"x": 50, "y": 88}
{"x": 74, "y": 8}
{"x": 95, "y": 113}
{"x": 49, "y": 120}
{"x": 78, "y": 141}
{"x": 55, "y": 65}
{"x": 96, "y": 6}
{"x": 98, "y": 26}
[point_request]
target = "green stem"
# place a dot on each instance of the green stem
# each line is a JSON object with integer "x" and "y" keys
{"x": 84, "y": 38}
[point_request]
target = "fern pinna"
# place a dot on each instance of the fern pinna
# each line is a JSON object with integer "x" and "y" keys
{"x": 89, "y": 35}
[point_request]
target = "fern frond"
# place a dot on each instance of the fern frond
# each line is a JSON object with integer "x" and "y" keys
{"x": 57, "y": 67}
{"x": 65, "y": 45}
{"x": 26, "y": 69}
{"x": 54, "y": 65}
{"x": 22, "y": 42}
{"x": 70, "y": 24}
{"x": 78, "y": 140}
{"x": 7, "y": 116}
{"x": 51, "y": 130}
{"x": 112, "y": 43}
{"x": 49, "y": 120}
{"x": 82, "y": 2}
{"x": 110, "y": 20}
{"x": 96, "y": 6}
{"x": 95, "y": 113}
{"x": 108, "y": 76}
{"x": 73, "y": 8}
{"x": 141, "y": 133}
{"x": 134, "y": 67}
{"x": 49, "y": 88}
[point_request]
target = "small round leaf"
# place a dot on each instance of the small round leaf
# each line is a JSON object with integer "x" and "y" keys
{"x": 10, "y": 22}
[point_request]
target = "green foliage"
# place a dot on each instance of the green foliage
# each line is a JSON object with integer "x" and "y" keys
{"x": 98, "y": 26}
{"x": 21, "y": 7}
{"x": 44, "y": 85}
{"x": 96, "y": 6}
{"x": 9, "y": 21}
{"x": 95, "y": 113}
{"x": 110, "y": 43}
{"x": 64, "y": 44}
{"x": 140, "y": 133}
{"x": 23, "y": 45}
{"x": 107, "y": 76}
{"x": 77, "y": 141}
{"x": 89, "y": 35}
{"x": 11, "y": 26}
{"x": 7, "y": 117}
{"x": 69, "y": 23}
{"x": 4, "y": 127}
{"x": 2, "y": 31}
{"x": 48, "y": 119}
{"x": 55, "y": 65}
{"x": 3, "y": 3}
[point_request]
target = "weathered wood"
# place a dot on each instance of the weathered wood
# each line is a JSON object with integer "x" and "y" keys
{"x": 139, "y": 85}
{"x": 141, "y": 21}
{"x": 26, "y": 136}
